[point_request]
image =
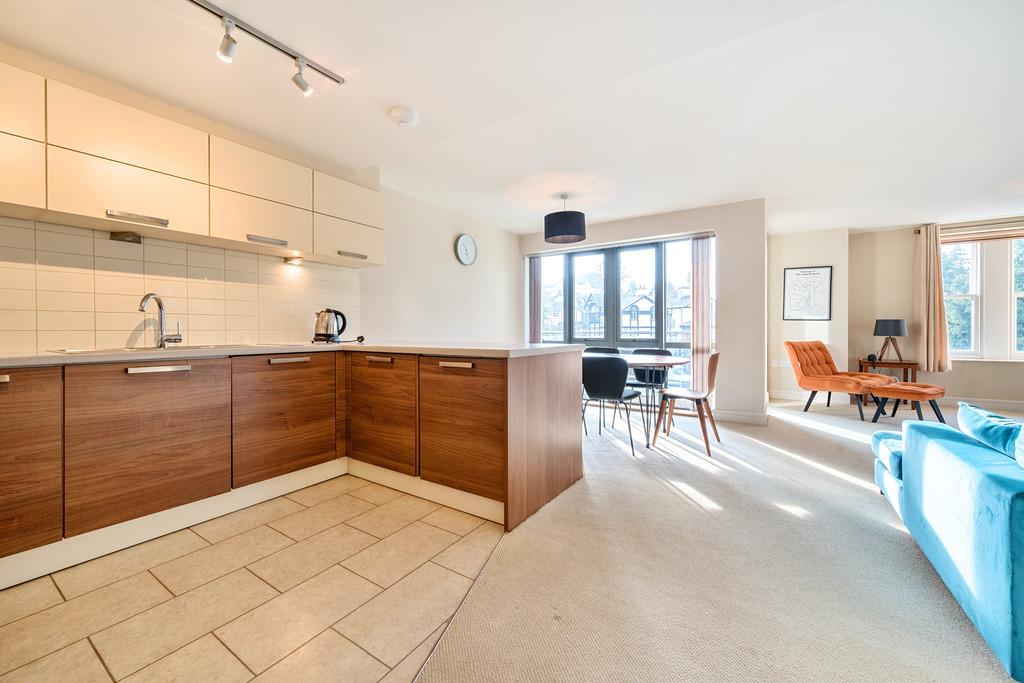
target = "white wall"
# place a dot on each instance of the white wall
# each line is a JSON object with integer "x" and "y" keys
{"x": 742, "y": 336}
{"x": 794, "y": 250}
{"x": 423, "y": 294}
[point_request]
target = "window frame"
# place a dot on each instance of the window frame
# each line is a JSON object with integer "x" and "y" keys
{"x": 1015, "y": 295}
{"x": 975, "y": 296}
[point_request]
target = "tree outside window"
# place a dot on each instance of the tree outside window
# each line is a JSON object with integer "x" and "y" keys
{"x": 960, "y": 285}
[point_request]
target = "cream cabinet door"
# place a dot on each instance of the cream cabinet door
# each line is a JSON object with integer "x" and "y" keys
{"x": 22, "y": 171}
{"x": 357, "y": 243}
{"x": 90, "y": 186}
{"x": 243, "y": 218}
{"x": 342, "y": 199}
{"x": 89, "y": 123}
{"x": 249, "y": 171}
{"x": 22, "y": 103}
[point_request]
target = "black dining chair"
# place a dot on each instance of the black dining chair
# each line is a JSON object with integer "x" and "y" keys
{"x": 604, "y": 379}
{"x": 646, "y": 377}
{"x": 601, "y": 349}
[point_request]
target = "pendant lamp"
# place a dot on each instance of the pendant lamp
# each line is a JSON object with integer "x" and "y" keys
{"x": 565, "y": 227}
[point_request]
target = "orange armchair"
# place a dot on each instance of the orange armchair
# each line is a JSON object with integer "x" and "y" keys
{"x": 816, "y": 371}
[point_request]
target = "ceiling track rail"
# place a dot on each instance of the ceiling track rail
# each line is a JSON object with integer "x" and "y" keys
{"x": 264, "y": 38}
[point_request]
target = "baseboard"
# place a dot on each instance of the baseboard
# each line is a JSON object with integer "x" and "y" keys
{"x": 742, "y": 416}
{"x": 31, "y": 564}
{"x": 990, "y": 404}
{"x": 788, "y": 394}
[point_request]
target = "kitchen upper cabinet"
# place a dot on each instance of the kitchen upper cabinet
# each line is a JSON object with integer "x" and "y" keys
{"x": 22, "y": 171}
{"x": 143, "y": 437}
{"x": 342, "y": 199}
{"x": 89, "y": 186}
{"x": 463, "y": 430}
{"x": 22, "y": 103}
{"x": 30, "y": 458}
{"x": 358, "y": 244}
{"x": 243, "y": 218}
{"x": 249, "y": 171}
{"x": 92, "y": 124}
{"x": 283, "y": 414}
{"x": 382, "y": 426}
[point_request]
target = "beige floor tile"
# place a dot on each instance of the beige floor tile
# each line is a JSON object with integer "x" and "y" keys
{"x": 309, "y": 521}
{"x": 213, "y": 561}
{"x": 455, "y": 521}
{"x": 407, "y": 669}
{"x": 332, "y": 488}
{"x": 469, "y": 555}
{"x": 59, "y": 626}
{"x": 326, "y": 658}
{"x": 291, "y": 566}
{"x": 205, "y": 659}
{"x": 271, "y": 632}
{"x": 395, "y": 622}
{"x": 77, "y": 663}
{"x": 143, "y": 639}
{"x": 104, "y": 570}
{"x": 251, "y": 517}
{"x": 376, "y": 494}
{"x": 390, "y": 517}
{"x": 389, "y": 560}
{"x": 27, "y": 598}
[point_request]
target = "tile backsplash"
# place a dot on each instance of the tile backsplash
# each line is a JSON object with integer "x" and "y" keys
{"x": 64, "y": 287}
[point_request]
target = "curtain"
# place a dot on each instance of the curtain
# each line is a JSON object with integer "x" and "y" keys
{"x": 929, "y": 305}
{"x": 535, "y": 303}
{"x": 701, "y": 302}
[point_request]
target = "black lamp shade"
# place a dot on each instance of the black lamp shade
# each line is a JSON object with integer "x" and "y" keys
{"x": 890, "y": 327}
{"x": 565, "y": 227}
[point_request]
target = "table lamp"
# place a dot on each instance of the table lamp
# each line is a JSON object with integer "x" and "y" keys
{"x": 890, "y": 329}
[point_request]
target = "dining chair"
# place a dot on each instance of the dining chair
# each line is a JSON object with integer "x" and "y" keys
{"x": 604, "y": 379}
{"x": 700, "y": 401}
{"x": 648, "y": 377}
{"x": 601, "y": 349}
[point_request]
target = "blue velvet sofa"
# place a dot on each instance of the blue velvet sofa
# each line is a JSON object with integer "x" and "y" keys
{"x": 963, "y": 503}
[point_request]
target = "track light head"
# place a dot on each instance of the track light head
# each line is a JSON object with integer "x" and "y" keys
{"x": 299, "y": 80}
{"x": 228, "y": 45}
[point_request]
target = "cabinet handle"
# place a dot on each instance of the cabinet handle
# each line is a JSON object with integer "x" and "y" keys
{"x": 282, "y": 361}
{"x": 151, "y": 369}
{"x": 379, "y": 359}
{"x": 454, "y": 364}
{"x": 267, "y": 240}
{"x": 352, "y": 254}
{"x": 5, "y": 379}
{"x": 137, "y": 218}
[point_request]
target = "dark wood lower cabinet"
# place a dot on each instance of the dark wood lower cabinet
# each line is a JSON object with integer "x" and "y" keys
{"x": 31, "y": 502}
{"x": 463, "y": 430}
{"x": 144, "y": 437}
{"x": 282, "y": 414}
{"x": 382, "y": 427}
{"x": 342, "y": 401}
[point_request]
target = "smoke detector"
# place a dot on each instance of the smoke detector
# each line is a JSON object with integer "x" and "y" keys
{"x": 403, "y": 117}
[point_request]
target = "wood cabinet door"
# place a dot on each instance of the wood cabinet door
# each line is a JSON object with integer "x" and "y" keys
{"x": 143, "y": 437}
{"x": 342, "y": 199}
{"x": 383, "y": 410}
{"x": 283, "y": 414}
{"x": 250, "y": 171}
{"x": 22, "y": 171}
{"x": 342, "y": 401}
{"x": 31, "y": 503}
{"x": 463, "y": 425}
{"x": 24, "y": 103}
{"x": 356, "y": 244}
{"x": 243, "y": 218}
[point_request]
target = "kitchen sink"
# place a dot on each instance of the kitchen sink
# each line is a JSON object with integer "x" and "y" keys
{"x": 150, "y": 349}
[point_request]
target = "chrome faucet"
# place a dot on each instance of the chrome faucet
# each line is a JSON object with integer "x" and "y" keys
{"x": 164, "y": 339}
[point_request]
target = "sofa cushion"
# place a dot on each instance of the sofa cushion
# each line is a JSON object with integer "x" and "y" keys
{"x": 995, "y": 431}
{"x": 888, "y": 448}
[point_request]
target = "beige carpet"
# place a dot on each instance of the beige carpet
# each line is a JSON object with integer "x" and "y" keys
{"x": 778, "y": 560}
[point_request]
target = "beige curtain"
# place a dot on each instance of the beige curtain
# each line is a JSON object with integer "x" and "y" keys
{"x": 929, "y": 306}
{"x": 701, "y": 301}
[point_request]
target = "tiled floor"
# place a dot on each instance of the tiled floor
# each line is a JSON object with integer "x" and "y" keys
{"x": 344, "y": 580}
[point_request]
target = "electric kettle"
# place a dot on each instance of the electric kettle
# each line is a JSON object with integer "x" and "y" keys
{"x": 330, "y": 324}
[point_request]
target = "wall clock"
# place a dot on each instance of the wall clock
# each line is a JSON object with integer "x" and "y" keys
{"x": 465, "y": 249}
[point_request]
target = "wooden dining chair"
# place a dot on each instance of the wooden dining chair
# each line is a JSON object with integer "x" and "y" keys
{"x": 700, "y": 401}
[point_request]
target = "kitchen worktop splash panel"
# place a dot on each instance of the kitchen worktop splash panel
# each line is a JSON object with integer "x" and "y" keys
{"x": 64, "y": 287}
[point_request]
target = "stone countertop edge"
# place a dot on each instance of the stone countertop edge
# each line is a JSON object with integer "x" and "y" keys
{"x": 483, "y": 350}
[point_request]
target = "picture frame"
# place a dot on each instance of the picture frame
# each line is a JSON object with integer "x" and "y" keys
{"x": 807, "y": 293}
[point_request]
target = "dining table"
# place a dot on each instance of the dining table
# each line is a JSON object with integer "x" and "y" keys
{"x": 646, "y": 361}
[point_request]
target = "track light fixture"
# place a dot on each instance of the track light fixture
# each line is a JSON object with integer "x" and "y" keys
{"x": 299, "y": 80}
{"x": 228, "y": 45}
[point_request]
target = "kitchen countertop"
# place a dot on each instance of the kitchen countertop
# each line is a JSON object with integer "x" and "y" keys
{"x": 478, "y": 350}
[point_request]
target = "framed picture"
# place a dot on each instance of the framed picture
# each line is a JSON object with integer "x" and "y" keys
{"x": 807, "y": 293}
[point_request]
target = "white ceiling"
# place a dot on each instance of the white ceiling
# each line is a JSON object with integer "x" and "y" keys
{"x": 853, "y": 113}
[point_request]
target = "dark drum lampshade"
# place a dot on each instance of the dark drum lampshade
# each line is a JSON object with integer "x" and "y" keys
{"x": 890, "y": 328}
{"x": 565, "y": 227}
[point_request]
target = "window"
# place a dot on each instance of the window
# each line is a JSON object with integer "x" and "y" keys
{"x": 552, "y": 278}
{"x": 960, "y": 281}
{"x": 1018, "y": 295}
{"x": 588, "y": 296}
{"x": 638, "y": 308}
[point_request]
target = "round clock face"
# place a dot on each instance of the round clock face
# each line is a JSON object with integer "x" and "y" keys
{"x": 465, "y": 249}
